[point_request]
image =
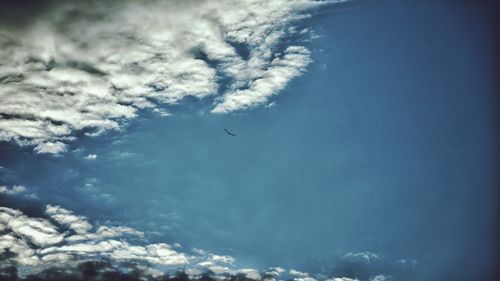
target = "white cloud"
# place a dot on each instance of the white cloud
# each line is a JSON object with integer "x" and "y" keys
{"x": 300, "y": 276}
{"x": 304, "y": 279}
{"x": 91, "y": 157}
{"x": 278, "y": 73}
{"x": 24, "y": 253}
{"x": 142, "y": 55}
{"x": 380, "y": 277}
{"x": 15, "y": 189}
{"x": 49, "y": 243}
{"x": 216, "y": 263}
{"x": 65, "y": 217}
{"x": 105, "y": 232}
{"x": 35, "y": 230}
{"x": 275, "y": 271}
{"x": 362, "y": 256}
{"x": 51, "y": 147}
{"x": 162, "y": 112}
{"x": 251, "y": 273}
{"x": 298, "y": 273}
{"x": 159, "y": 254}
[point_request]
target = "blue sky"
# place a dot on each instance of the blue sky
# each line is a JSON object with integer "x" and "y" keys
{"x": 375, "y": 159}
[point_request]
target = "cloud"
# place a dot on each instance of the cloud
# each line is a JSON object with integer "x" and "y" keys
{"x": 215, "y": 263}
{"x": 64, "y": 238}
{"x": 49, "y": 243}
{"x": 62, "y": 242}
{"x": 24, "y": 254}
{"x": 371, "y": 266}
{"x": 65, "y": 217}
{"x": 91, "y": 66}
{"x": 298, "y": 273}
{"x": 15, "y": 189}
{"x": 278, "y": 73}
{"x": 51, "y": 147}
{"x": 91, "y": 157}
{"x": 38, "y": 231}
{"x": 362, "y": 256}
{"x": 162, "y": 112}
{"x": 251, "y": 273}
{"x": 276, "y": 271}
{"x": 380, "y": 277}
{"x": 104, "y": 270}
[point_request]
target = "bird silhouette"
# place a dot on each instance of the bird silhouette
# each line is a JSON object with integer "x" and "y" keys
{"x": 229, "y": 133}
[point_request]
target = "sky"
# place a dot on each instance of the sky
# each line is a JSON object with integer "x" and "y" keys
{"x": 365, "y": 148}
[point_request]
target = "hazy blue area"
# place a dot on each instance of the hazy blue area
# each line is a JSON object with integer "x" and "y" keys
{"x": 387, "y": 144}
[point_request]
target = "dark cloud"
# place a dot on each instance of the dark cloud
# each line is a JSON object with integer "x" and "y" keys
{"x": 101, "y": 270}
{"x": 104, "y": 270}
{"x": 18, "y": 14}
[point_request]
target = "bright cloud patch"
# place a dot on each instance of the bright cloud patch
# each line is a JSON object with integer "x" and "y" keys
{"x": 91, "y": 157}
{"x": 15, "y": 189}
{"x": 65, "y": 237}
{"x": 87, "y": 67}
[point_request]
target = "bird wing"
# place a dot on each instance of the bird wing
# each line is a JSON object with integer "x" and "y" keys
{"x": 229, "y": 133}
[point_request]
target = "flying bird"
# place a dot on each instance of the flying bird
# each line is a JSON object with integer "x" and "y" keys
{"x": 229, "y": 133}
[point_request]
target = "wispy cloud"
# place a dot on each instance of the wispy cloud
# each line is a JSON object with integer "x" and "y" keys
{"x": 15, "y": 189}
{"x": 362, "y": 256}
